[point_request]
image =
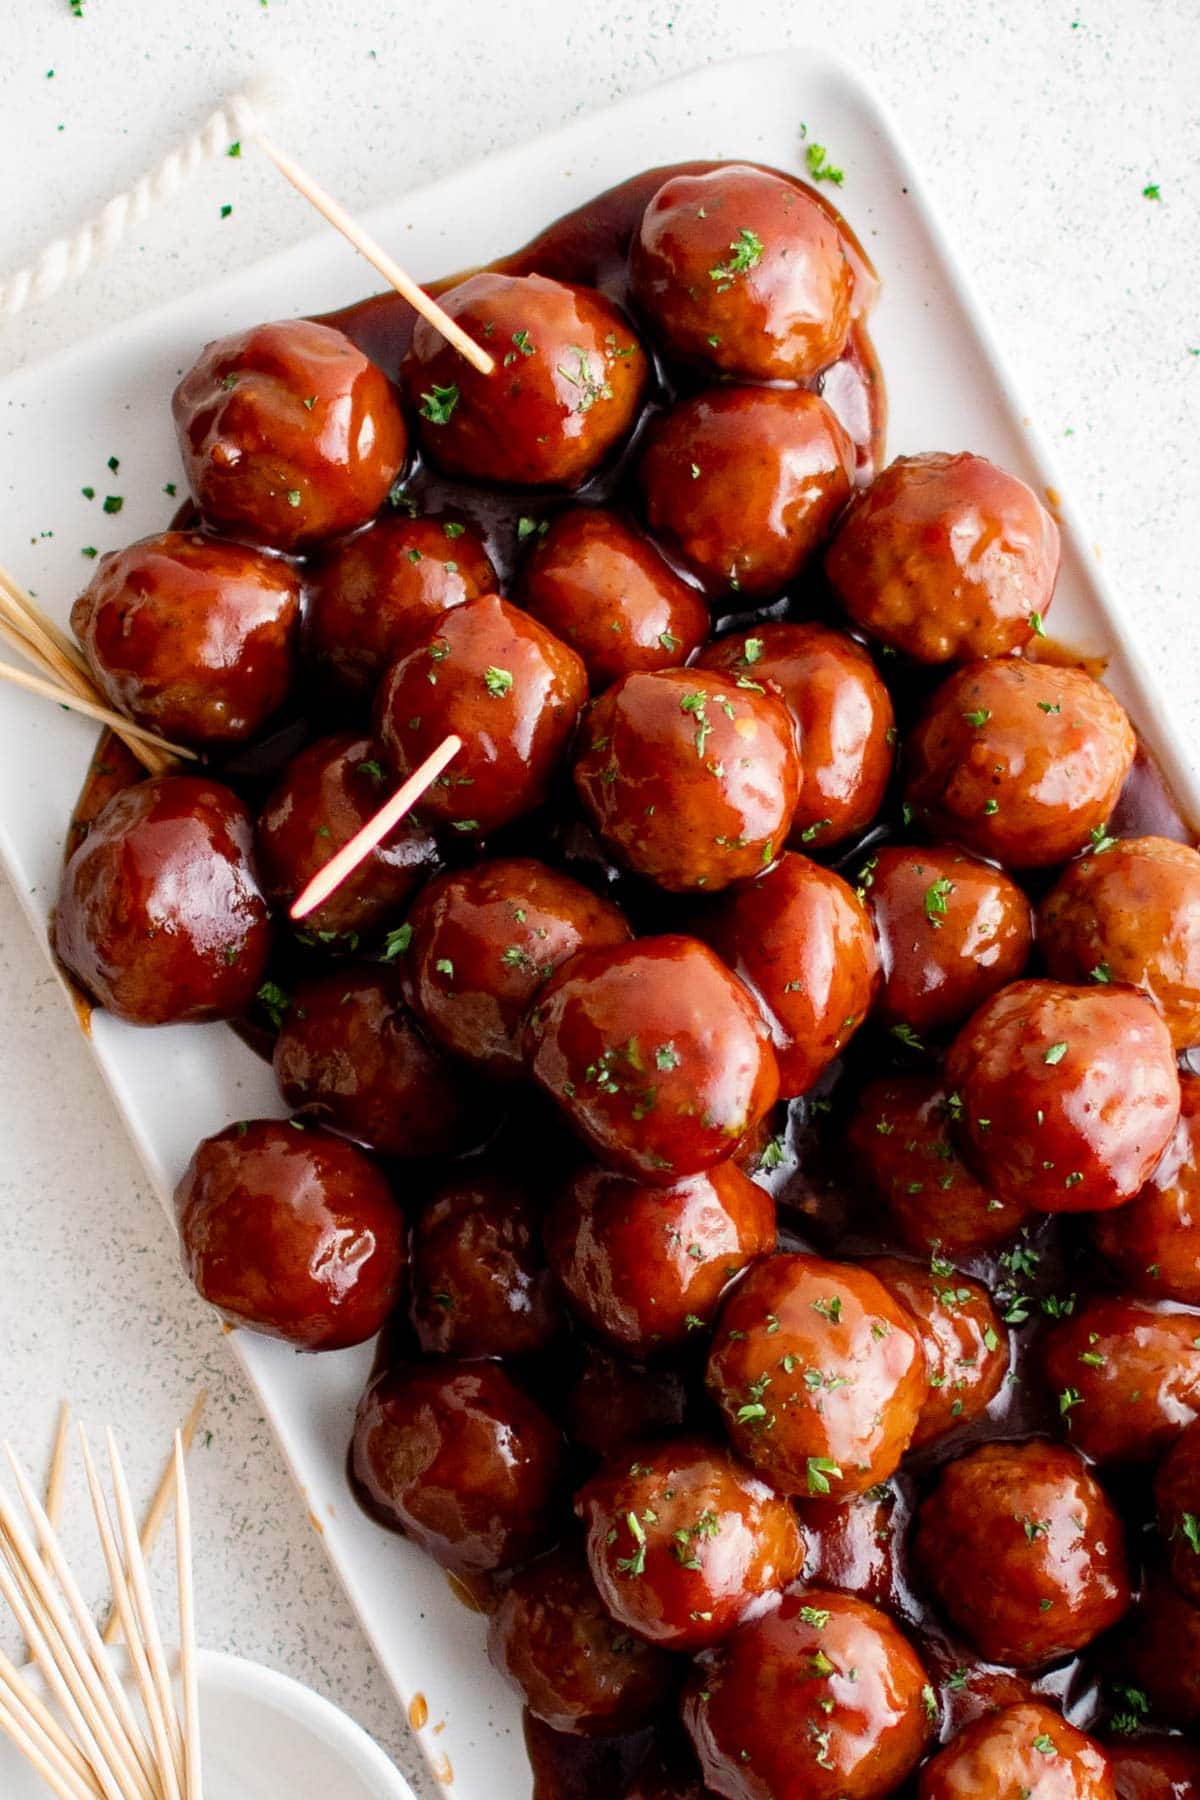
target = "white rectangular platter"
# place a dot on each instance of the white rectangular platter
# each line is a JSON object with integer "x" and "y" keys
{"x": 61, "y": 421}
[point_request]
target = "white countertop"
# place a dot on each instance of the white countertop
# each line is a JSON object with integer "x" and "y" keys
{"x": 1038, "y": 125}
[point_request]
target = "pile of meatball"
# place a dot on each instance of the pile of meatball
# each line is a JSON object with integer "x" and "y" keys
{"x": 748, "y": 1097}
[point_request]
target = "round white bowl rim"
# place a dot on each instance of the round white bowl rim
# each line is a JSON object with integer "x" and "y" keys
{"x": 285, "y": 1694}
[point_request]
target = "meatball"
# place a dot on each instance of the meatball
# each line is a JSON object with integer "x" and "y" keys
{"x": 951, "y": 931}
{"x": 899, "y": 1138}
{"x": 966, "y": 1345}
{"x": 1068, "y": 1094}
{"x": 1177, "y": 1495}
{"x": 1162, "y": 1653}
{"x": 645, "y": 1266}
{"x": 744, "y": 484}
{"x": 159, "y": 915}
{"x": 801, "y": 941}
{"x": 656, "y": 1054}
{"x": 322, "y": 798}
{"x": 1021, "y": 762}
{"x": 945, "y": 558}
{"x": 350, "y": 1054}
{"x": 743, "y": 270}
{"x": 1127, "y": 1376}
{"x": 375, "y": 596}
{"x": 1023, "y": 1551}
{"x": 604, "y": 589}
{"x": 819, "y": 1375}
{"x": 852, "y": 1545}
{"x": 458, "y": 1457}
{"x": 684, "y": 1543}
{"x": 479, "y": 1281}
{"x": 842, "y": 712}
{"x": 1154, "y": 1242}
{"x": 1028, "y": 1749}
{"x": 822, "y": 1699}
{"x": 566, "y": 390}
{"x": 292, "y": 1233}
{"x": 484, "y": 939}
{"x": 614, "y": 1401}
{"x": 691, "y": 780}
{"x": 192, "y": 637}
{"x": 577, "y": 1671}
{"x": 1164, "y": 1768}
{"x": 509, "y": 689}
{"x": 288, "y": 434}
{"x": 1131, "y": 914}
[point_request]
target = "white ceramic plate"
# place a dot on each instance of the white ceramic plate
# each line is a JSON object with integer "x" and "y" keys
{"x": 60, "y": 423}
{"x": 262, "y": 1736}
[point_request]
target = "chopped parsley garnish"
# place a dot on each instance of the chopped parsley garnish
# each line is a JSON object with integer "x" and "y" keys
{"x": 397, "y": 942}
{"x": 936, "y": 895}
{"x": 819, "y": 166}
{"x": 498, "y": 682}
{"x": 113, "y": 503}
{"x": 1055, "y": 1054}
{"x": 745, "y": 252}
{"x": 820, "y": 1468}
{"x": 274, "y": 1001}
{"x": 438, "y": 405}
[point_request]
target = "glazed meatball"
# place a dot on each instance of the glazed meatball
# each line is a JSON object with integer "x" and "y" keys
{"x": 1021, "y": 762}
{"x": 322, "y": 798}
{"x": 901, "y": 1143}
{"x": 1131, "y": 914}
{"x": 1162, "y": 1652}
{"x": 1027, "y": 1749}
{"x": 745, "y": 271}
{"x": 159, "y": 915}
{"x": 1164, "y": 1768}
{"x": 946, "y": 558}
{"x": 350, "y": 1055}
{"x": 604, "y": 589}
{"x": 458, "y": 1457}
{"x": 645, "y": 1266}
{"x": 190, "y": 636}
{"x": 1177, "y": 1494}
{"x": 1127, "y": 1376}
{"x": 691, "y": 780}
{"x": 1024, "y": 1551}
{"x": 1154, "y": 1242}
{"x": 801, "y": 941}
{"x": 819, "y": 1375}
{"x": 684, "y": 1543}
{"x": 758, "y": 1708}
{"x": 1068, "y": 1094}
{"x": 744, "y": 484}
{"x": 288, "y": 434}
{"x": 951, "y": 932}
{"x": 966, "y": 1345}
{"x": 656, "y": 1054}
{"x": 577, "y": 1671}
{"x": 842, "y": 712}
{"x": 564, "y": 394}
{"x": 853, "y": 1545}
{"x": 483, "y": 941}
{"x": 509, "y": 689}
{"x": 613, "y": 1401}
{"x": 479, "y": 1281}
{"x": 375, "y": 596}
{"x": 292, "y": 1233}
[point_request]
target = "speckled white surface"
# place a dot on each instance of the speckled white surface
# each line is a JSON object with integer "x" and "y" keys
{"x": 1037, "y": 124}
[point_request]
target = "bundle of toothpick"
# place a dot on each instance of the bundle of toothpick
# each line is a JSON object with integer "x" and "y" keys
{"x": 85, "y": 1730}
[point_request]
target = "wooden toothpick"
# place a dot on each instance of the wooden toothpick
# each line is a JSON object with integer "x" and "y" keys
{"x": 376, "y": 255}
